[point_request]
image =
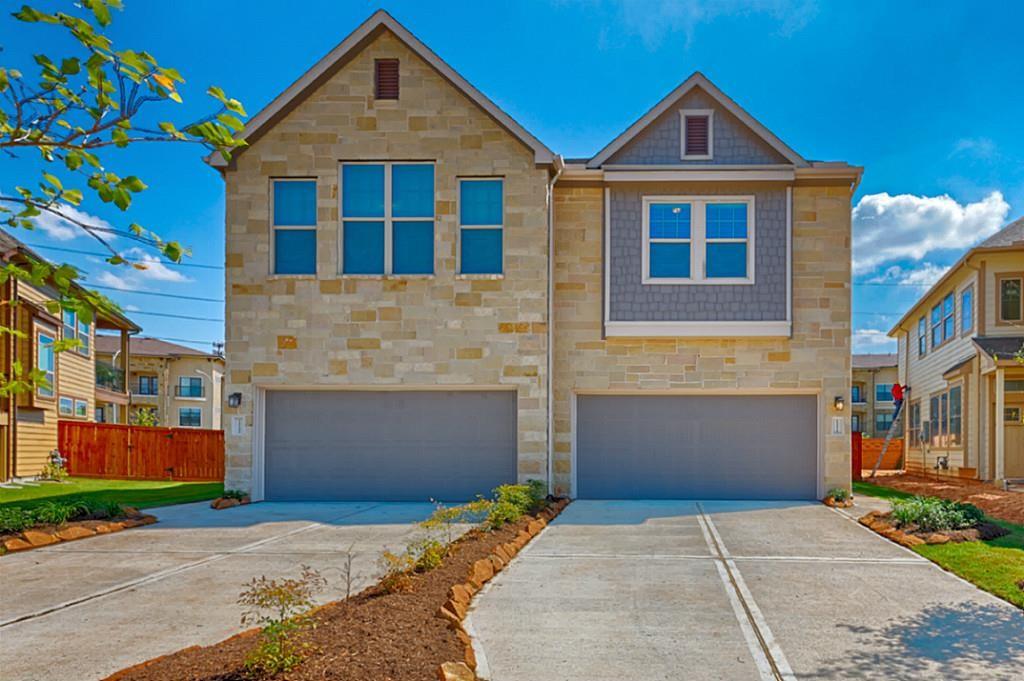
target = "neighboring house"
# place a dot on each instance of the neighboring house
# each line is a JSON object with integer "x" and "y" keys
{"x": 182, "y": 385}
{"x": 956, "y": 352}
{"x": 28, "y": 420}
{"x": 872, "y": 406}
{"x": 398, "y": 246}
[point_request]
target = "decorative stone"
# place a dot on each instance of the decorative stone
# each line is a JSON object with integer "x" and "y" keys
{"x": 481, "y": 572}
{"x": 15, "y": 544}
{"x": 73, "y": 532}
{"x": 456, "y": 607}
{"x": 937, "y": 538}
{"x": 446, "y": 614}
{"x": 460, "y": 594}
{"x": 910, "y": 541}
{"x": 37, "y": 538}
{"x": 470, "y": 658}
{"x": 455, "y": 671}
{"x": 497, "y": 562}
{"x": 147, "y": 519}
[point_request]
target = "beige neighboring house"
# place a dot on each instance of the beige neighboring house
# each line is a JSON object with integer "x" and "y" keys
{"x": 184, "y": 386}
{"x": 957, "y": 348}
{"x": 424, "y": 301}
{"x": 871, "y": 403}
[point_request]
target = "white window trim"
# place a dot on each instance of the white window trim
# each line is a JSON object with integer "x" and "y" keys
{"x": 387, "y": 219}
{"x": 39, "y": 334}
{"x": 202, "y": 389}
{"x": 698, "y": 241}
{"x": 683, "y": 113}
{"x": 60, "y": 405}
{"x": 79, "y": 401}
{"x": 274, "y": 227}
{"x": 458, "y": 216}
{"x": 181, "y": 409}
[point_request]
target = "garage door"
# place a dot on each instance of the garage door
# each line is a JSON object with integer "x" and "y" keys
{"x": 388, "y": 446}
{"x": 696, "y": 447}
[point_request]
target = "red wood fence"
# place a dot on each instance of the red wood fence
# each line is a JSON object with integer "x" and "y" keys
{"x": 865, "y": 450}
{"x": 857, "y": 455}
{"x": 110, "y": 450}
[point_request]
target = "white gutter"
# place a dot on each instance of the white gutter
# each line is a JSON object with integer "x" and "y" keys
{"x": 559, "y": 165}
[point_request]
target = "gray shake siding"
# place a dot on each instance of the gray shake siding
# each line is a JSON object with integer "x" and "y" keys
{"x": 734, "y": 143}
{"x": 631, "y": 300}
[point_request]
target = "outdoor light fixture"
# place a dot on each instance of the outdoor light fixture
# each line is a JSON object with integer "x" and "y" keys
{"x": 839, "y": 403}
{"x": 235, "y": 400}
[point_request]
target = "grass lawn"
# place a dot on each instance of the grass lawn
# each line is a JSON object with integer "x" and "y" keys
{"x": 137, "y": 493}
{"x": 995, "y": 566}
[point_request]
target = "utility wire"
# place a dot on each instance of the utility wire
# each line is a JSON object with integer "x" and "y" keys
{"x": 154, "y": 293}
{"x": 107, "y": 255}
{"x": 173, "y": 316}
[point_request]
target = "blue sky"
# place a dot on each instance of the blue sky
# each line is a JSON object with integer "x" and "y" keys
{"x": 926, "y": 96}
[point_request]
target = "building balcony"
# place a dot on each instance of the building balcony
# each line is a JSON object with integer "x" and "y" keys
{"x": 109, "y": 378}
{"x": 187, "y": 391}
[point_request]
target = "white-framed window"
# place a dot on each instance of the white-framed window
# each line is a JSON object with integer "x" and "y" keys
{"x": 1011, "y": 299}
{"x": 293, "y": 226}
{"x": 481, "y": 225}
{"x": 81, "y": 409}
{"x": 66, "y": 406}
{"x": 922, "y": 336}
{"x": 190, "y": 417}
{"x": 697, "y": 134}
{"x": 46, "y": 362}
{"x": 387, "y": 218}
{"x": 943, "y": 320}
{"x": 967, "y": 310}
{"x": 698, "y": 240}
{"x": 75, "y": 327}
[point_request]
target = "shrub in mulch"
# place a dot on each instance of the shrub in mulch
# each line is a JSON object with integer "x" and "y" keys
{"x": 52, "y": 522}
{"x": 411, "y": 634}
{"x": 230, "y": 499}
{"x": 838, "y": 497}
{"x": 911, "y": 535}
{"x": 993, "y": 500}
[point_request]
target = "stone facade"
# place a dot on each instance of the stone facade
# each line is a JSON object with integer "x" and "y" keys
{"x": 331, "y": 330}
{"x": 816, "y": 359}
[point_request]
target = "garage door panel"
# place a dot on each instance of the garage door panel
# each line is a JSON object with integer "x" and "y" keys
{"x": 696, "y": 447}
{"x": 397, "y": 446}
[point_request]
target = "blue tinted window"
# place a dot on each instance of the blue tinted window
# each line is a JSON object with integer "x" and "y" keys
{"x": 726, "y": 221}
{"x": 295, "y": 203}
{"x": 363, "y": 189}
{"x": 670, "y": 260}
{"x": 363, "y": 248}
{"x": 727, "y": 260}
{"x": 412, "y": 191}
{"x": 294, "y": 251}
{"x": 480, "y": 202}
{"x": 481, "y": 251}
{"x": 412, "y": 249}
{"x": 670, "y": 221}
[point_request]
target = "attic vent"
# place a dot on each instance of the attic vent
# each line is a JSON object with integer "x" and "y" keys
{"x": 385, "y": 79}
{"x": 697, "y": 135}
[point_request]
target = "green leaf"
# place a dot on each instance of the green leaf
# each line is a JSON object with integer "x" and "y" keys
{"x": 73, "y": 196}
{"x": 133, "y": 184}
{"x": 73, "y": 160}
{"x": 71, "y": 66}
{"x": 52, "y": 179}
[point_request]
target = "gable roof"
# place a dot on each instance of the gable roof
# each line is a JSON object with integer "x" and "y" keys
{"x": 1010, "y": 237}
{"x": 874, "y": 361}
{"x": 697, "y": 80}
{"x": 144, "y": 346}
{"x": 349, "y": 47}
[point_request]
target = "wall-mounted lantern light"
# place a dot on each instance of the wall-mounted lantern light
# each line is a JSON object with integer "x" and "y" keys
{"x": 235, "y": 400}
{"x": 839, "y": 403}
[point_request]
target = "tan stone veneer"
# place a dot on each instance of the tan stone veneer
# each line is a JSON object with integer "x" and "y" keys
{"x": 816, "y": 358}
{"x": 333, "y": 331}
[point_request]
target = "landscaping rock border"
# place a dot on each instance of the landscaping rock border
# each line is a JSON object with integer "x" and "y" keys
{"x": 831, "y": 501}
{"x": 220, "y": 503}
{"x": 881, "y": 523}
{"x": 460, "y": 596}
{"x": 45, "y": 535}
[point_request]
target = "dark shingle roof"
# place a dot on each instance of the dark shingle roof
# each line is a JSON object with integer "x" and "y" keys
{"x": 1010, "y": 235}
{"x": 874, "y": 361}
{"x": 1000, "y": 347}
{"x": 144, "y": 346}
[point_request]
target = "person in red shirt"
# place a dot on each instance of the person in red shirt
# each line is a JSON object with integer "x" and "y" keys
{"x": 897, "y": 395}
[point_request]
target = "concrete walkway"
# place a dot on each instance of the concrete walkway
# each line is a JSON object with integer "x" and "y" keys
{"x": 734, "y": 590}
{"x": 85, "y": 609}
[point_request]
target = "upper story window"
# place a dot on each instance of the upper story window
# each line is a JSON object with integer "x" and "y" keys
{"x": 922, "y": 337}
{"x": 481, "y": 222}
{"x": 46, "y": 363}
{"x": 294, "y": 226}
{"x": 148, "y": 385}
{"x": 387, "y": 218}
{"x": 967, "y": 310}
{"x": 75, "y": 327}
{"x": 698, "y": 240}
{"x": 385, "y": 79}
{"x": 857, "y": 393}
{"x": 1010, "y": 299}
{"x": 189, "y": 386}
{"x": 943, "y": 321}
{"x": 190, "y": 417}
{"x": 697, "y": 138}
{"x": 883, "y": 392}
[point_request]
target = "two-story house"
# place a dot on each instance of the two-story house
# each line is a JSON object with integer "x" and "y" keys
{"x": 180, "y": 386}
{"x": 424, "y": 301}
{"x": 28, "y": 418}
{"x": 957, "y": 348}
{"x": 872, "y": 406}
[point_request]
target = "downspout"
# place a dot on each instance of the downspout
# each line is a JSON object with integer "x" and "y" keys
{"x": 12, "y": 412}
{"x": 559, "y": 165}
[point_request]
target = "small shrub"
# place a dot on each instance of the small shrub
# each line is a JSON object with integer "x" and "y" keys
{"x": 234, "y": 494}
{"x": 445, "y": 518}
{"x": 932, "y": 514}
{"x": 502, "y": 513}
{"x": 538, "y": 491}
{"x": 840, "y": 494}
{"x": 281, "y": 609}
{"x": 58, "y": 512}
{"x": 15, "y": 519}
{"x": 54, "y": 470}
{"x": 427, "y": 554}
{"x": 105, "y": 509}
{"x": 397, "y": 568}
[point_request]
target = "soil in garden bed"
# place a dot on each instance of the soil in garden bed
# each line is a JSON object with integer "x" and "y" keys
{"x": 373, "y": 636}
{"x": 994, "y": 501}
{"x": 983, "y": 531}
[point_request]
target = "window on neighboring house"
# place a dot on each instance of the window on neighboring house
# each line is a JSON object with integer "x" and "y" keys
{"x": 698, "y": 240}
{"x": 883, "y": 392}
{"x": 856, "y": 393}
{"x": 1012, "y": 414}
{"x": 148, "y": 385}
{"x": 855, "y": 423}
{"x": 697, "y": 134}
{"x": 1014, "y": 386}
{"x": 944, "y": 420}
{"x": 481, "y": 219}
{"x": 190, "y": 417}
{"x": 947, "y": 418}
{"x": 385, "y": 79}
{"x": 84, "y": 336}
{"x": 883, "y": 422}
{"x": 967, "y": 310}
{"x": 100, "y": 414}
{"x": 922, "y": 337}
{"x": 75, "y": 327}
{"x": 1010, "y": 299}
{"x": 955, "y": 417}
{"x": 81, "y": 409}
{"x": 914, "y": 428}
{"x": 46, "y": 363}
{"x": 933, "y": 419}
{"x": 948, "y": 317}
{"x": 189, "y": 386}
{"x": 294, "y": 226}
{"x": 387, "y": 212}
{"x": 66, "y": 406}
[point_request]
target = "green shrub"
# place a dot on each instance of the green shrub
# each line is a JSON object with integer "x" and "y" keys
{"x": 932, "y": 514}
{"x": 105, "y": 509}
{"x": 15, "y": 519}
{"x": 538, "y": 491}
{"x": 281, "y": 609}
{"x": 427, "y": 554}
{"x": 234, "y": 494}
{"x": 839, "y": 494}
{"x": 397, "y": 568}
{"x": 58, "y": 512}
{"x": 502, "y": 513}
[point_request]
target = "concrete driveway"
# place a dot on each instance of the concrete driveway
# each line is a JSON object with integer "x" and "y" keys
{"x": 85, "y": 609}
{"x": 734, "y": 590}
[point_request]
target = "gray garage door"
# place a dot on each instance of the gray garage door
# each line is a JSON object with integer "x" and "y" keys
{"x": 696, "y": 447}
{"x": 388, "y": 446}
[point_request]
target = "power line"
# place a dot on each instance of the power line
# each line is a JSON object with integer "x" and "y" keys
{"x": 154, "y": 293}
{"x": 107, "y": 255}
{"x": 174, "y": 316}
{"x": 895, "y": 284}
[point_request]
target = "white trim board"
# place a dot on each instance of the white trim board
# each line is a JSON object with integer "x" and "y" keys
{"x": 696, "y": 113}
{"x": 702, "y": 174}
{"x": 731, "y": 329}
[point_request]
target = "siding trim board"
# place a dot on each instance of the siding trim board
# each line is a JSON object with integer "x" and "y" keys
{"x": 699, "y": 175}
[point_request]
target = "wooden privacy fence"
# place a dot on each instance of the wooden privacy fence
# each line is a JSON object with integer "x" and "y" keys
{"x": 110, "y": 450}
{"x": 865, "y": 452}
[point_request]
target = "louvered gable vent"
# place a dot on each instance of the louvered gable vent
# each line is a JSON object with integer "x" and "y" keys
{"x": 697, "y": 135}
{"x": 385, "y": 79}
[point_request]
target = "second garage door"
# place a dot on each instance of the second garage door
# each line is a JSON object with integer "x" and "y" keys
{"x": 696, "y": 447}
{"x": 388, "y": 446}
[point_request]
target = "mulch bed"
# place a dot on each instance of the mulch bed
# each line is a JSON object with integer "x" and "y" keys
{"x": 994, "y": 501}
{"x": 911, "y": 536}
{"x": 373, "y": 636}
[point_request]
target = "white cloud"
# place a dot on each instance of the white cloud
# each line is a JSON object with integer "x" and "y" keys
{"x": 63, "y": 230}
{"x": 872, "y": 340}
{"x": 906, "y": 227}
{"x": 981, "y": 148}
{"x": 127, "y": 277}
{"x": 922, "y": 275}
